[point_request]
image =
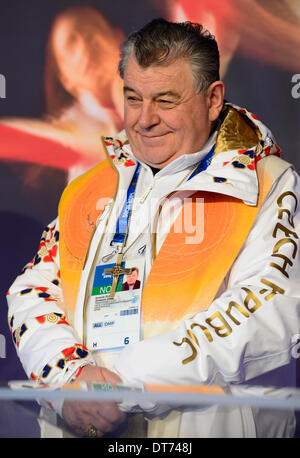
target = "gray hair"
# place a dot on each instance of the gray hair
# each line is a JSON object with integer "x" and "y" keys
{"x": 161, "y": 42}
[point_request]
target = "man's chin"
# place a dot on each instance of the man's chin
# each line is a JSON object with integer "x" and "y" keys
{"x": 154, "y": 156}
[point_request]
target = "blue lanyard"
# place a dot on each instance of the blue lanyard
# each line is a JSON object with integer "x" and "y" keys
{"x": 125, "y": 215}
{"x": 122, "y": 226}
{"x": 203, "y": 164}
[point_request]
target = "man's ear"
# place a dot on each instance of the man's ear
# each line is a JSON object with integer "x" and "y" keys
{"x": 215, "y": 98}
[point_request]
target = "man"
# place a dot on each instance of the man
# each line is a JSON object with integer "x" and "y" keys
{"x": 132, "y": 281}
{"x": 209, "y": 215}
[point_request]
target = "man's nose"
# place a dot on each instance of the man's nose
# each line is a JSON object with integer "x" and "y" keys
{"x": 149, "y": 116}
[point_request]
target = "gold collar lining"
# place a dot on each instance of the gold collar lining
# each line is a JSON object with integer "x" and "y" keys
{"x": 236, "y": 132}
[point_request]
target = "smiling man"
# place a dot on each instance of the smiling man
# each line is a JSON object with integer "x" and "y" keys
{"x": 217, "y": 309}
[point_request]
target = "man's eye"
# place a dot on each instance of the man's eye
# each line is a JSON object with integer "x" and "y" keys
{"x": 132, "y": 99}
{"x": 165, "y": 102}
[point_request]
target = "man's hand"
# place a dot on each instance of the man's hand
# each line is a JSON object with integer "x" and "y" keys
{"x": 104, "y": 417}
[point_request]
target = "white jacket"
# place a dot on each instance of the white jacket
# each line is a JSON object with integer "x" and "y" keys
{"x": 257, "y": 351}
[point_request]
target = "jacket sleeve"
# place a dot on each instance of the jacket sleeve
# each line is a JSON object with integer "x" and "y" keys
{"x": 46, "y": 343}
{"x": 250, "y": 327}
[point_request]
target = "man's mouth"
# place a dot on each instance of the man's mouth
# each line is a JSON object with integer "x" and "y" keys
{"x": 152, "y": 137}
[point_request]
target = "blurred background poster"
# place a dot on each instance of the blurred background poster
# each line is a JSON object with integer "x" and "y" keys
{"x": 60, "y": 91}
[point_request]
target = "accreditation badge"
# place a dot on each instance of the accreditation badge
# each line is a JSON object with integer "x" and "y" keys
{"x": 114, "y": 318}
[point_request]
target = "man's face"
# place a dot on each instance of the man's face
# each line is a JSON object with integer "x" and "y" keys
{"x": 164, "y": 116}
{"x": 132, "y": 278}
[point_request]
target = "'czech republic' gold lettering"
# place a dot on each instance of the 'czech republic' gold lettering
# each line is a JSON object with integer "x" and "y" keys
{"x": 222, "y": 325}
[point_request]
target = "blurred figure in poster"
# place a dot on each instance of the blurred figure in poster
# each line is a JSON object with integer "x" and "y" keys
{"x": 260, "y": 54}
{"x": 83, "y": 94}
{"x": 267, "y": 30}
